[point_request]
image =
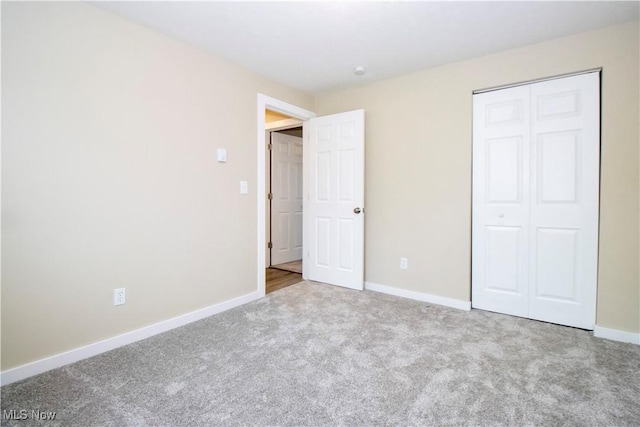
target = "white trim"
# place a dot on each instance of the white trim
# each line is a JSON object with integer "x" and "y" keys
{"x": 616, "y": 335}
{"x": 419, "y": 296}
{"x": 56, "y": 361}
{"x": 1, "y": 150}
{"x": 544, "y": 79}
{"x": 266, "y": 102}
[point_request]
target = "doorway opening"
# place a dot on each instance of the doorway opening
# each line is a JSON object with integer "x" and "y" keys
{"x": 283, "y": 226}
{"x": 275, "y": 116}
{"x": 333, "y": 189}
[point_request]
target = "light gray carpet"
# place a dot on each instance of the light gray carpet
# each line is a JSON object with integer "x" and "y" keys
{"x": 314, "y": 354}
{"x": 293, "y": 266}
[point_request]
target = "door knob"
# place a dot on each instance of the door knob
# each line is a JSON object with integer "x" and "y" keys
{"x": 357, "y": 211}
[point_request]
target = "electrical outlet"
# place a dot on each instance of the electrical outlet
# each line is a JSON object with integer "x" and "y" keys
{"x": 404, "y": 263}
{"x": 119, "y": 296}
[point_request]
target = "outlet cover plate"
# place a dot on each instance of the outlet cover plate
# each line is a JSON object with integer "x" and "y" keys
{"x": 119, "y": 296}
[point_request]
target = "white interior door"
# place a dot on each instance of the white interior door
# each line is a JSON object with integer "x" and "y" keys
{"x": 501, "y": 201}
{"x": 565, "y": 166}
{"x": 286, "y": 203}
{"x": 535, "y": 203}
{"x": 334, "y": 205}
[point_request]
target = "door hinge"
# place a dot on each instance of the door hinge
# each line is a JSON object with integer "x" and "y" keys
{"x": 270, "y": 245}
{"x": 270, "y": 196}
{"x": 270, "y": 146}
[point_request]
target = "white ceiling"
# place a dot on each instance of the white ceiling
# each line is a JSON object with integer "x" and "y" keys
{"x": 314, "y": 46}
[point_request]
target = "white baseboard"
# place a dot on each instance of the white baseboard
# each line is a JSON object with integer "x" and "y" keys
{"x": 419, "y": 296}
{"x": 598, "y": 331}
{"x": 616, "y": 335}
{"x": 56, "y": 361}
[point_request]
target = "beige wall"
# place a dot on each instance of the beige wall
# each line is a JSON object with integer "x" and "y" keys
{"x": 418, "y": 165}
{"x": 110, "y": 180}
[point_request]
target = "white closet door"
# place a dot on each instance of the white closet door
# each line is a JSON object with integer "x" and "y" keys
{"x": 535, "y": 200}
{"x": 565, "y": 159}
{"x": 501, "y": 201}
{"x": 286, "y": 205}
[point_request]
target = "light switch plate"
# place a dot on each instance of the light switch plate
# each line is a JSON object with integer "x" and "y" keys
{"x": 222, "y": 155}
{"x": 244, "y": 187}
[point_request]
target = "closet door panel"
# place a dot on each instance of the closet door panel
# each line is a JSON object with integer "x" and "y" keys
{"x": 565, "y": 169}
{"x": 501, "y": 201}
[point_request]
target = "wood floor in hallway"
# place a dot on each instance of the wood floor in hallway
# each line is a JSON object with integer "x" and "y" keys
{"x": 278, "y": 279}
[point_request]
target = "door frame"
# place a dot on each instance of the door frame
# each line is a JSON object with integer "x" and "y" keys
{"x": 266, "y": 102}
